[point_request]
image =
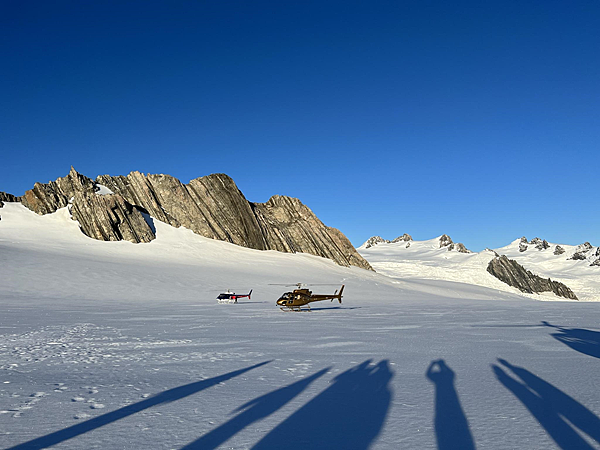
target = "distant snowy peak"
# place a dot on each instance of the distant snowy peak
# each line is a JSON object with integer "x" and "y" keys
{"x": 583, "y": 252}
{"x": 443, "y": 241}
{"x": 375, "y": 240}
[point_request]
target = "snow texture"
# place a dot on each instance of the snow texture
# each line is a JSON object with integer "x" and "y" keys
{"x": 119, "y": 345}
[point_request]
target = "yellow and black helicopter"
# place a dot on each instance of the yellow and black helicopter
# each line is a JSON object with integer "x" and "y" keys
{"x": 295, "y": 300}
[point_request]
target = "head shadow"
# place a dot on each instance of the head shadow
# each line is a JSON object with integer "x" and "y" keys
{"x": 450, "y": 422}
{"x": 349, "y": 414}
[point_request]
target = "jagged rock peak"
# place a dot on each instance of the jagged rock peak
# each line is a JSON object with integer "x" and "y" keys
{"x": 445, "y": 240}
{"x": 460, "y": 247}
{"x": 372, "y": 241}
{"x": 6, "y": 197}
{"x": 211, "y": 206}
{"x": 512, "y": 273}
{"x": 540, "y": 244}
{"x": 582, "y": 251}
{"x": 404, "y": 238}
{"x": 49, "y": 197}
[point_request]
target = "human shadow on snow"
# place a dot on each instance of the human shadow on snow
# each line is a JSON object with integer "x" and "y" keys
{"x": 165, "y": 397}
{"x": 348, "y": 415}
{"x": 451, "y": 425}
{"x": 253, "y": 411}
{"x": 580, "y": 339}
{"x": 559, "y": 414}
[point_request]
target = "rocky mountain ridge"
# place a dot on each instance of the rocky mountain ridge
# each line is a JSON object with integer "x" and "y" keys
{"x": 583, "y": 252}
{"x": 512, "y": 273}
{"x": 113, "y": 208}
{"x": 445, "y": 241}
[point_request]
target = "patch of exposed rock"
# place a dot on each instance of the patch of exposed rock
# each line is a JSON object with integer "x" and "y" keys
{"x": 404, "y": 238}
{"x": 581, "y": 252}
{"x": 110, "y": 218}
{"x": 5, "y": 197}
{"x": 513, "y": 274}
{"x": 211, "y": 206}
{"x": 558, "y": 250}
{"x": 446, "y": 241}
{"x": 374, "y": 240}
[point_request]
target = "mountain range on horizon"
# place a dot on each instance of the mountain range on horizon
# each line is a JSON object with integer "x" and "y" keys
{"x": 114, "y": 208}
{"x": 532, "y": 262}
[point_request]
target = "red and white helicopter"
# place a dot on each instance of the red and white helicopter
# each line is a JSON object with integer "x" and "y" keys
{"x": 231, "y": 297}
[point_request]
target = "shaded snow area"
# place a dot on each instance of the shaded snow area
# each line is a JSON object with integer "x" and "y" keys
{"x": 418, "y": 260}
{"x": 113, "y": 345}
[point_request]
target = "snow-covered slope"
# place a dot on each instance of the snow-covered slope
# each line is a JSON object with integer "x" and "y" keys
{"x": 123, "y": 346}
{"x": 431, "y": 260}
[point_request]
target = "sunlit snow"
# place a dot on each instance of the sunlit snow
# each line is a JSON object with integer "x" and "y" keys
{"x": 119, "y": 345}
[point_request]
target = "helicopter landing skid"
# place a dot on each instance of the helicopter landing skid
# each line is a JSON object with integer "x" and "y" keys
{"x": 295, "y": 309}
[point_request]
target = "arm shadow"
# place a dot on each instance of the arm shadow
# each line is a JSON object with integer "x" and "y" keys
{"x": 253, "y": 411}
{"x": 579, "y": 339}
{"x": 560, "y": 415}
{"x": 168, "y": 396}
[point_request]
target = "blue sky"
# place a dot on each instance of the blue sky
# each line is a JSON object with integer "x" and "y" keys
{"x": 476, "y": 119}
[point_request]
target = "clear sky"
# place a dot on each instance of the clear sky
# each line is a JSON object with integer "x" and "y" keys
{"x": 479, "y": 119}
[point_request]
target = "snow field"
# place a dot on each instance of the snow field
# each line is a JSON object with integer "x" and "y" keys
{"x": 117, "y": 345}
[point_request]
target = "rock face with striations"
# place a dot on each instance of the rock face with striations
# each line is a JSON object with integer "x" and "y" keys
{"x": 110, "y": 218}
{"x": 47, "y": 198}
{"x": 211, "y": 206}
{"x": 4, "y": 197}
{"x": 513, "y": 274}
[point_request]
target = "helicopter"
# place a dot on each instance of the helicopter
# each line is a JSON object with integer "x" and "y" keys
{"x": 293, "y": 301}
{"x": 227, "y": 297}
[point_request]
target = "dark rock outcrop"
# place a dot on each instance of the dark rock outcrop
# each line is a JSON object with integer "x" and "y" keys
{"x": 110, "y": 218}
{"x": 581, "y": 252}
{"x": 404, "y": 238}
{"x": 445, "y": 241}
{"x": 211, "y": 206}
{"x": 512, "y": 273}
{"x": 542, "y": 245}
{"x": 522, "y": 247}
{"x": 558, "y": 250}
{"x": 374, "y": 240}
{"x": 5, "y": 197}
{"x": 461, "y": 248}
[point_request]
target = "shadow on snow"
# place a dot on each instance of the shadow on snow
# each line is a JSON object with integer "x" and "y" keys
{"x": 451, "y": 425}
{"x": 560, "y": 415}
{"x": 348, "y": 415}
{"x": 159, "y": 399}
{"x": 580, "y": 339}
{"x": 253, "y": 411}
